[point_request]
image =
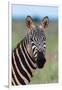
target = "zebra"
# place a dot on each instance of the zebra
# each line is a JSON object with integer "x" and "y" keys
{"x": 29, "y": 54}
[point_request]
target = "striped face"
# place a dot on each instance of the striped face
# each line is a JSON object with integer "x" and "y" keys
{"x": 37, "y": 40}
{"x": 37, "y": 37}
{"x": 37, "y": 33}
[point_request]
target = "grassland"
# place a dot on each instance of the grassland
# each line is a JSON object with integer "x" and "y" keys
{"x": 49, "y": 74}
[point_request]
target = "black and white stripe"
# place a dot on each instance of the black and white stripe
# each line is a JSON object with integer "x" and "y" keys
{"x": 34, "y": 49}
{"x": 22, "y": 65}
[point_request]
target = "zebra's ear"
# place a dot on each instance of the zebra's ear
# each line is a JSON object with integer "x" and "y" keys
{"x": 45, "y": 22}
{"x": 29, "y": 22}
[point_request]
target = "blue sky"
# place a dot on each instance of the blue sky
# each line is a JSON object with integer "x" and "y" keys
{"x": 21, "y": 11}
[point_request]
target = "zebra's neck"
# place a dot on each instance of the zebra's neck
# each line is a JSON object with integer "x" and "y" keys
{"x": 23, "y": 65}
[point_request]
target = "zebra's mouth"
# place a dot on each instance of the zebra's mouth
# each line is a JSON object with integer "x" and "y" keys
{"x": 40, "y": 60}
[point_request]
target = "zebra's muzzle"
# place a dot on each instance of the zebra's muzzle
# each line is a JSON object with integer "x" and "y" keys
{"x": 40, "y": 60}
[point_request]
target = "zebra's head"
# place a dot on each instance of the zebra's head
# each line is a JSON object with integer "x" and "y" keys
{"x": 37, "y": 39}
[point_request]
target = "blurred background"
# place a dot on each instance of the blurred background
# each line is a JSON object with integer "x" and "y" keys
{"x": 49, "y": 74}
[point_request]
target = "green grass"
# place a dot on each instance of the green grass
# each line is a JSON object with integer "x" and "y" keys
{"x": 49, "y": 74}
{"x": 46, "y": 75}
